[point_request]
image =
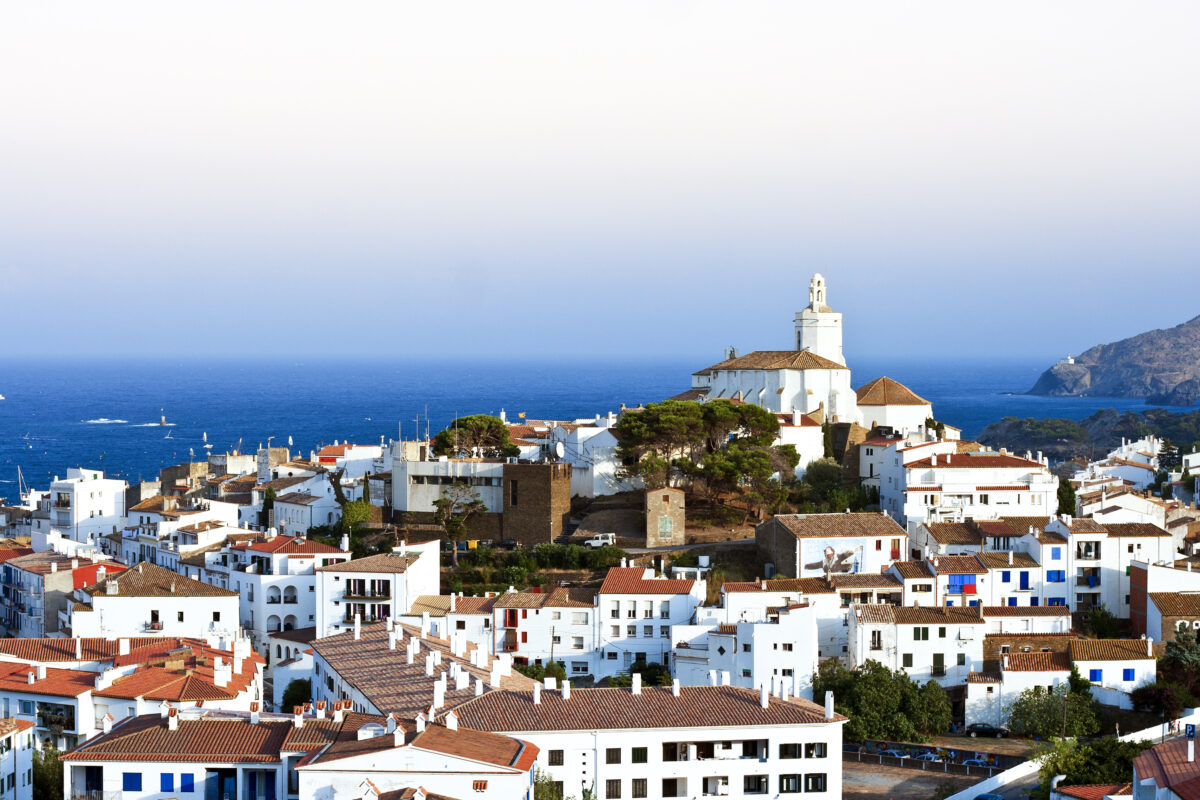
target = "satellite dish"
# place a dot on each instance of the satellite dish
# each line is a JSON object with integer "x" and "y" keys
{"x": 559, "y": 450}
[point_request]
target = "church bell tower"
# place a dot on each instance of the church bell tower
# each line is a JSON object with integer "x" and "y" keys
{"x": 818, "y": 327}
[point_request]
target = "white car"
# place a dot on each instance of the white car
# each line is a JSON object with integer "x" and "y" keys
{"x": 601, "y": 539}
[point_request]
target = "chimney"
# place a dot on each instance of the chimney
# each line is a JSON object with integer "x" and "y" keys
{"x": 41, "y": 672}
{"x": 725, "y": 677}
{"x": 429, "y": 664}
{"x": 933, "y": 460}
{"x": 1006, "y": 662}
{"x": 1010, "y": 558}
{"x": 173, "y": 719}
{"x": 345, "y": 543}
{"x": 1150, "y": 647}
{"x": 712, "y": 677}
{"x": 357, "y": 626}
{"x": 764, "y": 697}
{"x": 421, "y": 722}
{"x": 479, "y": 687}
{"x": 390, "y": 725}
{"x": 106, "y": 723}
{"x": 675, "y": 687}
{"x": 54, "y": 566}
{"x": 453, "y": 597}
{"x": 829, "y": 705}
{"x": 637, "y": 683}
{"x": 254, "y": 714}
{"x": 783, "y": 692}
{"x": 298, "y": 716}
{"x": 551, "y": 683}
{"x": 391, "y": 640}
{"x": 338, "y": 709}
{"x": 566, "y": 689}
{"x": 122, "y": 647}
{"x": 439, "y": 694}
{"x": 31, "y": 677}
{"x": 320, "y": 705}
{"x": 451, "y": 721}
{"x": 537, "y": 694}
{"x": 78, "y": 649}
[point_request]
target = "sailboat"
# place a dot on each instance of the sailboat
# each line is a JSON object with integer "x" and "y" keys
{"x": 168, "y": 436}
{"x": 204, "y": 436}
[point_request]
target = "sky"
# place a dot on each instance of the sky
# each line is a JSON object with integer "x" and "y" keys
{"x": 619, "y": 179}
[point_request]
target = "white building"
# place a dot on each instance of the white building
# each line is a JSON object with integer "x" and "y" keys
{"x": 355, "y": 459}
{"x": 540, "y": 626}
{"x": 890, "y": 404}
{"x": 819, "y": 545}
{"x": 590, "y": 449}
{"x": 680, "y": 741}
{"x": 296, "y": 512}
{"x": 951, "y": 486}
{"x": 16, "y": 759}
{"x": 38, "y": 589}
{"x": 148, "y": 600}
{"x": 636, "y": 612}
{"x": 332, "y": 756}
{"x": 84, "y": 503}
{"x": 1115, "y": 667}
{"x": 376, "y": 587}
{"x": 751, "y": 654}
{"x": 275, "y": 577}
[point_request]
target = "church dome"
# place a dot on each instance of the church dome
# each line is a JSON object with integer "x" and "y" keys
{"x": 887, "y": 392}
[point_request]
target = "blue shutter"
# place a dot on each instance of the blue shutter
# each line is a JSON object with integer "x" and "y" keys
{"x": 1005, "y": 577}
{"x": 1128, "y": 674}
{"x": 131, "y": 781}
{"x": 167, "y": 782}
{"x": 186, "y": 782}
{"x": 1095, "y": 676}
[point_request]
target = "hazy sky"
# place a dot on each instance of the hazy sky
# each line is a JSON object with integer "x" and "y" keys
{"x": 618, "y": 178}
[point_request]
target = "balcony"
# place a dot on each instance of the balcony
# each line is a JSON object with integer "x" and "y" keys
{"x": 274, "y": 601}
{"x": 1091, "y": 581}
{"x": 349, "y": 620}
{"x": 154, "y": 626}
{"x": 364, "y": 596}
{"x": 938, "y": 670}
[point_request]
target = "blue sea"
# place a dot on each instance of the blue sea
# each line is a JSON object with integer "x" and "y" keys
{"x": 106, "y": 415}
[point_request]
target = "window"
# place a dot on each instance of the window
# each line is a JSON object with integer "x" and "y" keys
{"x": 616, "y": 631}
{"x": 579, "y": 618}
{"x": 787, "y": 647}
{"x": 1127, "y": 674}
{"x": 26, "y": 706}
{"x": 180, "y": 619}
{"x": 637, "y": 787}
{"x": 648, "y": 631}
{"x": 664, "y": 609}
{"x": 876, "y": 640}
{"x": 512, "y": 501}
{"x": 1056, "y": 576}
{"x": 815, "y": 750}
{"x": 1006, "y": 577}
{"x": 962, "y": 659}
{"x": 460, "y": 625}
{"x": 131, "y": 781}
{"x": 166, "y": 782}
{"x": 631, "y": 631}
{"x": 922, "y": 588}
{"x": 612, "y": 755}
{"x": 920, "y": 634}
{"x": 789, "y": 784}
{"x": 754, "y": 784}
{"x": 556, "y": 758}
{"x": 186, "y": 782}
{"x": 576, "y": 642}
{"x": 942, "y": 632}
{"x": 879, "y": 544}
{"x": 555, "y": 615}
{"x": 1056, "y": 554}
{"x": 612, "y": 655}
{"x": 612, "y": 789}
{"x": 789, "y": 750}
{"x": 1095, "y": 675}
{"x": 745, "y": 672}
{"x": 814, "y": 782}
{"x": 638, "y": 755}
{"x": 216, "y": 616}
{"x": 907, "y": 660}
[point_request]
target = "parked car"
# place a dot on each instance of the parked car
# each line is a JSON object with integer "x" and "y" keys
{"x": 601, "y": 539}
{"x": 984, "y": 729}
{"x": 975, "y": 762}
{"x": 894, "y": 753}
{"x": 932, "y": 758}
{"x": 509, "y": 544}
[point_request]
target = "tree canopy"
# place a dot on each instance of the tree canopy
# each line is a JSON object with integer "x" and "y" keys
{"x": 1042, "y": 714}
{"x": 882, "y": 704}
{"x": 719, "y": 447}
{"x": 454, "y": 510}
{"x": 1066, "y": 497}
{"x": 1106, "y": 760}
{"x": 476, "y": 436}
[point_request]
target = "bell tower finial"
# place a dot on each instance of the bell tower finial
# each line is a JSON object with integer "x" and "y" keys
{"x": 816, "y": 292}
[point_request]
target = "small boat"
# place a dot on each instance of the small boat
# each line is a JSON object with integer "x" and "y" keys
{"x": 168, "y": 436}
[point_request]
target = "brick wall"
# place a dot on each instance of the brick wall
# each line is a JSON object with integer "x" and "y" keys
{"x": 537, "y": 501}
{"x": 1137, "y": 600}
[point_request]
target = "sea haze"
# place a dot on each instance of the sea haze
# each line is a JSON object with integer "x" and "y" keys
{"x": 105, "y": 414}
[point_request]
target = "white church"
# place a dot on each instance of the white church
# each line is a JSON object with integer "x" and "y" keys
{"x": 811, "y": 384}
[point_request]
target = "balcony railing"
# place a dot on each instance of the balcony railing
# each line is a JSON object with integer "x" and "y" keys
{"x": 274, "y": 601}
{"x": 290, "y": 601}
{"x": 154, "y": 626}
{"x": 365, "y": 596}
{"x": 1092, "y": 581}
{"x": 937, "y": 671}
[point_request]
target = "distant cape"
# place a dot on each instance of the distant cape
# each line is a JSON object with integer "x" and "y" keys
{"x": 1162, "y": 366}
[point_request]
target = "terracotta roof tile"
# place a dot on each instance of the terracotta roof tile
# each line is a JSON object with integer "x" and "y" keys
{"x": 976, "y": 461}
{"x": 617, "y": 709}
{"x": 150, "y": 580}
{"x": 393, "y": 563}
{"x": 1036, "y": 662}
{"x": 1095, "y": 791}
{"x": 1177, "y": 604}
{"x": 887, "y": 392}
{"x": 1170, "y": 768}
{"x": 774, "y": 359}
{"x": 1109, "y": 650}
{"x": 58, "y": 682}
{"x": 828, "y": 525}
{"x": 632, "y": 580}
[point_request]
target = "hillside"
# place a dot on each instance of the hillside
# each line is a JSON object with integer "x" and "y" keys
{"x": 1064, "y": 439}
{"x": 1163, "y": 365}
